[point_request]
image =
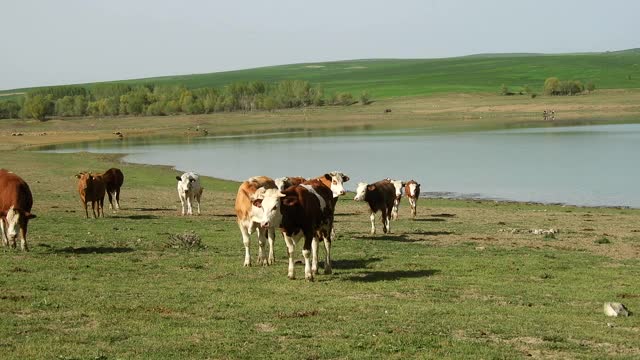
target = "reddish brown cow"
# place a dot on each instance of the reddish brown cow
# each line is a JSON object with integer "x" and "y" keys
{"x": 412, "y": 189}
{"x": 302, "y": 211}
{"x": 247, "y": 222}
{"x": 380, "y": 196}
{"x": 91, "y": 189}
{"x": 15, "y": 209}
{"x": 113, "y": 180}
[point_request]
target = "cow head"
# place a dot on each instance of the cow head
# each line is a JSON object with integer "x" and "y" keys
{"x": 265, "y": 207}
{"x": 84, "y": 180}
{"x": 361, "y": 191}
{"x": 337, "y": 179}
{"x": 186, "y": 181}
{"x": 12, "y": 221}
{"x": 398, "y": 185}
{"x": 281, "y": 182}
{"x": 413, "y": 189}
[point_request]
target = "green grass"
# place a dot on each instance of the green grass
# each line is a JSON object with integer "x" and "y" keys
{"x": 408, "y": 77}
{"x": 449, "y": 284}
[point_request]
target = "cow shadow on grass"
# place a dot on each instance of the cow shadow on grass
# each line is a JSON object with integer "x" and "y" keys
{"x": 153, "y": 209}
{"x": 432, "y": 233}
{"x": 430, "y": 220}
{"x": 373, "y": 276}
{"x": 93, "y": 250}
{"x": 134, "y": 217}
{"x": 349, "y": 264}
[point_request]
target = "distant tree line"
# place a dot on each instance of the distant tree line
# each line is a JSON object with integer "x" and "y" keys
{"x": 156, "y": 100}
{"x": 553, "y": 86}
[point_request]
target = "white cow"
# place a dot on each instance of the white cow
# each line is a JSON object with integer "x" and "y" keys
{"x": 189, "y": 189}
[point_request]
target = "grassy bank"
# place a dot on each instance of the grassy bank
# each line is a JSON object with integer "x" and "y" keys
{"x": 441, "y": 112}
{"x": 456, "y": 282}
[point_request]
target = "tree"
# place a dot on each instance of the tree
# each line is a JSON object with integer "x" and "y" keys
{"x": 9, "y": 109}
{"x": 364, "y": 98}
{"x": 552, "y": 86}
{"x": 591, "y": 86}
{"x": 38, "y": 106}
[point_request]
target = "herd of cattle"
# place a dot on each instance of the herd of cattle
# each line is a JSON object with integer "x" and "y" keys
{"x": 301, "y": 209}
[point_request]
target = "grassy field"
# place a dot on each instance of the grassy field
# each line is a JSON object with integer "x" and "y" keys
{"x": 465, "y": 279}
{"x": 409, "y": 77}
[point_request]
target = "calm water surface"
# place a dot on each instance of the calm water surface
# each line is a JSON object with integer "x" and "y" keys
{"x": 585, "y": 165}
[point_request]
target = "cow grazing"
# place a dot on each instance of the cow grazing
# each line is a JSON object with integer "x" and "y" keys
{"x": 91, "y": 189}
{"x": 15, "y": 209}
{"x": 113, "y": 180}
{"x": 189, "y": 190}
{"x": 380, "y": 196}
{"x": 302, "y": 211}
{"x": 412, "y": 190}
{"x": 286, "y": 181}
{"x": 247, "y": 218}
{"x": 398, "y": 186}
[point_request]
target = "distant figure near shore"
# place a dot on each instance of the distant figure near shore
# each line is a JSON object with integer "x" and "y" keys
{"x": 549, "y": 115}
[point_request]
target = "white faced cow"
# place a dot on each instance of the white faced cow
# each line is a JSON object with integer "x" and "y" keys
{"x": 189, "y": 189}
{"x": 412, "y": 189}
{"x": 335, "y": 182}
{"x": 301, "y": 211}
{"x": 380, "y": 196}
{"x": 15, "y": 209}
{"x": 248, "y": 218}
{"x": 399, "y": 187}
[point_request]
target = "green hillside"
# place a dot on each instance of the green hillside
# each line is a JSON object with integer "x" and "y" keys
{"x": 406, "y": 77}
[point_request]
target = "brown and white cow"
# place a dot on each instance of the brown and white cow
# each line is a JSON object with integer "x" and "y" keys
{"x": 286, "y": 181}
{"x": 301, "y": 212}
{"x": 16, "y": 201}
{"x": 412, "y": 190}
{"x": 91, "y": 189}
{"x": 247, "y": 218}
{"x": 398, "y": 186}
{"x": 113, "y": 180}
{"x": 380, "y": 196}
{"x": 335, "y": 182}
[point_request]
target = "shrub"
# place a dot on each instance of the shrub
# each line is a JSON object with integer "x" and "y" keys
{"x": 188, "y": 240}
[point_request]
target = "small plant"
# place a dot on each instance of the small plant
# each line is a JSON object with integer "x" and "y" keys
{"x": 549, "y": 236}
{"x": 603, "y": 240}
{"x": 187, "y": 240}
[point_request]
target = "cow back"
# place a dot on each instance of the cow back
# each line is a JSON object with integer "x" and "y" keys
{"x": 301, "y": 211}
{"x": 15, "y": 192}
{"x": 113, "y": 179}
{"x": 248, "y": 188}
{"x": 383, "y": 195}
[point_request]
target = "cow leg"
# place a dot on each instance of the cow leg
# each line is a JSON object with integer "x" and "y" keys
{"x": 86, "y": 211}
{"x": 23, "y": 238}
{"x": 262, "y": 237}
{"x": 189, "y": 200}
{"x": 110, "y": 200}
{"x": 182, "y": 204}
{"x": 314, "y": 255}
{"x": 93, "y": 208}
{"x": 291, "y": 247}
{"x": 101, "y": 207}
{"x": 412, "y": 201}
{"x": 246, "y": 241}
{"x": 198, "y": 197}
{"x": 327, "y": 261}
{"x": 394, "y": 210}
{"x": 3, "y": 234}
{"x": 306, "y": 252}
{"x": 117, "y": 194}
{"x": 384, "y": 217}
{"x": 372, "y": 217}
{"x": 271, "y": 236}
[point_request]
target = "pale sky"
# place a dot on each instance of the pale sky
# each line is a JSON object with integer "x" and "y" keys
{"x": 46, "y": 42}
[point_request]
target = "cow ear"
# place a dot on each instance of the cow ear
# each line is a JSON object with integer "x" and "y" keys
{"x": 178, "y": 178}
{"x": 257, "y": 203}
{"x": 259, "y": 194}
{"x": 290, "y": 201}
{"x": 78, "y": 176}
{"x": 29, "y": 215}
{"x": 327, "y": 176}
{"x": 345, "y": 178}
{"x": 371, "y": 187}
{"x": 192, "y": 180}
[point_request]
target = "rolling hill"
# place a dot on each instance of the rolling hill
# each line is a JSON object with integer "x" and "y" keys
{"x": 384, "y": 78}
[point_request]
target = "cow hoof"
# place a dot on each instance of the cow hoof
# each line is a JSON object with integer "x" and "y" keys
{"x": 247, "y": 264}
{"x": 291, "y": 277}
{"x": 309, "y": 277}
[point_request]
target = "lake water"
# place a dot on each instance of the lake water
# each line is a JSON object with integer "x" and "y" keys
{"x": 585, "y": 165}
